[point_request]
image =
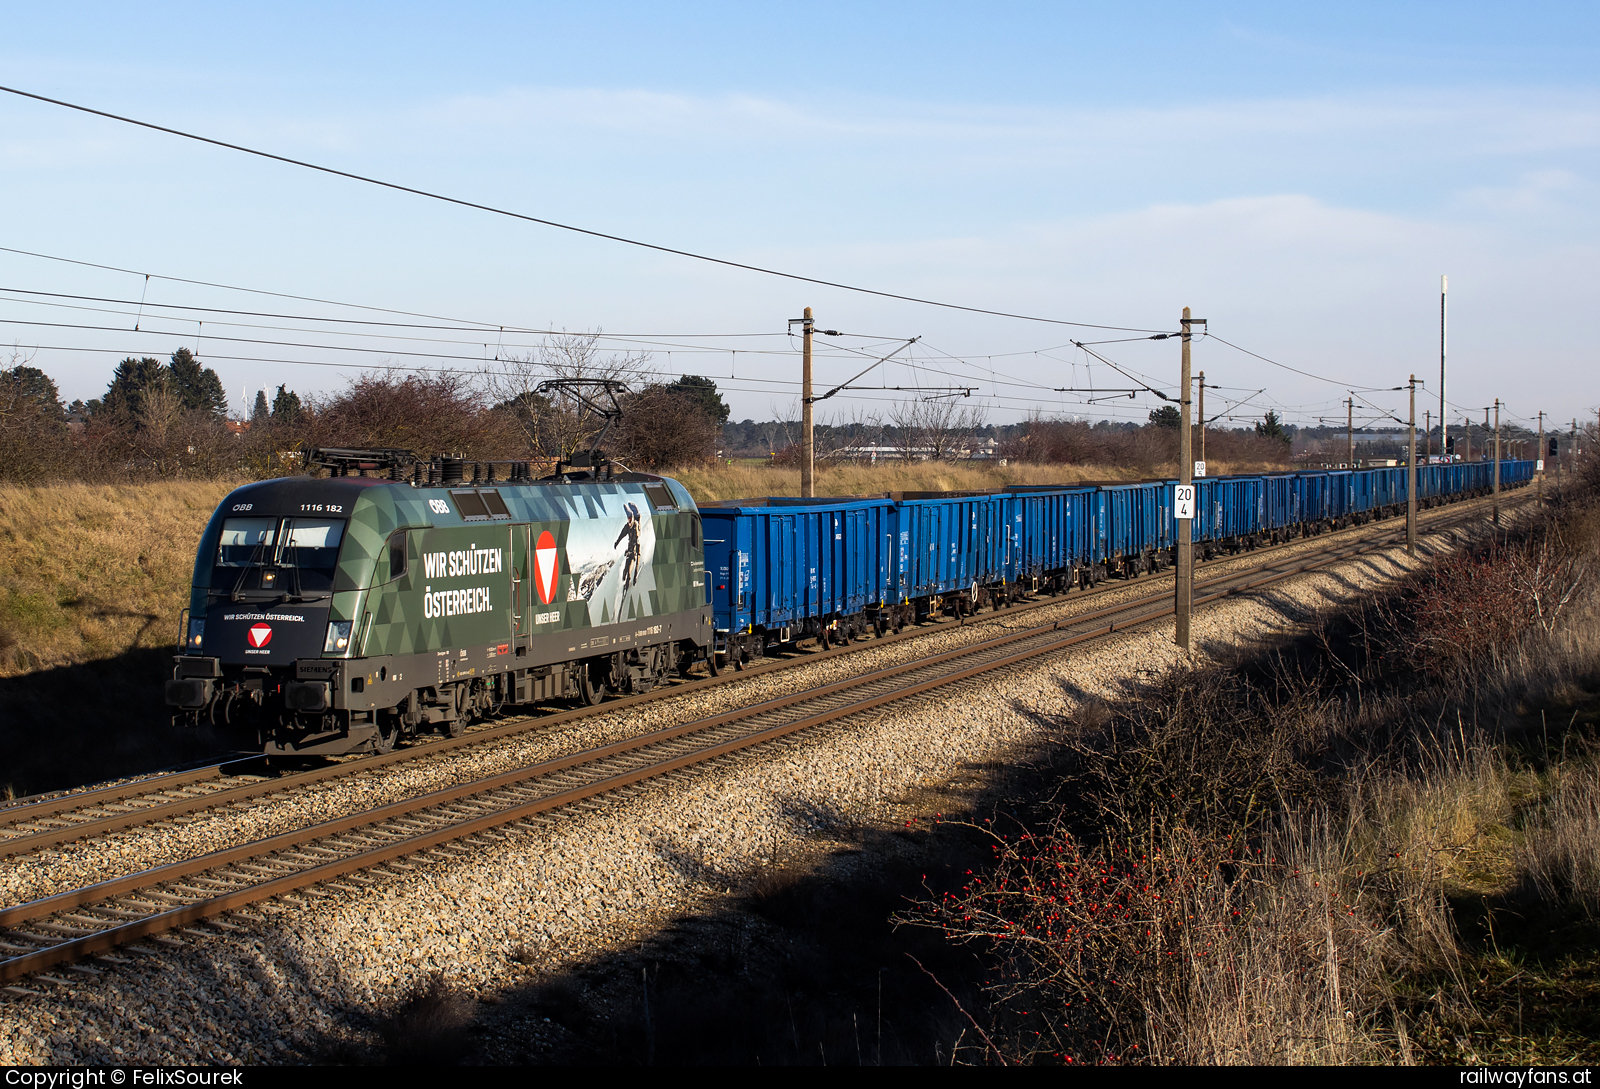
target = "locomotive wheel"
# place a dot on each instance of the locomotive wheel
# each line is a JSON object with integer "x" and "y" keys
{"x": 711, "y": 661}
{"x": 593, "y": 691}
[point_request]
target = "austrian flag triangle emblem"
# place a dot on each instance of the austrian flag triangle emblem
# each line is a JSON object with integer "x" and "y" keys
{"x": 546, "y": 567}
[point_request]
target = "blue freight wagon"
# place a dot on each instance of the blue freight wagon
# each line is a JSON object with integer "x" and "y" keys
{"x": 782, "y": 570}
{"x": 964, "y": 547}
{"x": 1059, "y": 535}
{"x": 1135, "y": 528}
{"x": 834, "y": 569}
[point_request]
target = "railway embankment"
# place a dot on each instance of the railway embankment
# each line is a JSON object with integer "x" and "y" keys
{"x": 622, "y": 929}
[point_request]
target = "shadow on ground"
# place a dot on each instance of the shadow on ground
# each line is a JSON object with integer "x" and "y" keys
{"x": 802, "y": 965}
{"x": 87, "y": 723}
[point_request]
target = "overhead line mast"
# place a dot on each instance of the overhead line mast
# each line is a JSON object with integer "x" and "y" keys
{"x": 1183, "y": 583}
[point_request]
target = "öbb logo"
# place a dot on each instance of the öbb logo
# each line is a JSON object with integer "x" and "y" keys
{"x": 259, "y": 635}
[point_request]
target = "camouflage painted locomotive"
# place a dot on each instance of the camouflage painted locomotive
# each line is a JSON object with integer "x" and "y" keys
{"x": 342, "y": 613}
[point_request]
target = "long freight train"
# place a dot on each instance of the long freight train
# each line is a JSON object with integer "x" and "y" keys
{"x": 344, "y": 613}
{"x": 832, "y": 569}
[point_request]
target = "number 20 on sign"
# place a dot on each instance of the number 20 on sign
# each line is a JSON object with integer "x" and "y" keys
{"x": 1183, "y": 501}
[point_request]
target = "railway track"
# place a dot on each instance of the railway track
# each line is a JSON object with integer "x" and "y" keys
{"x": 96, "y": 920}
{"x": 60, "y": 819}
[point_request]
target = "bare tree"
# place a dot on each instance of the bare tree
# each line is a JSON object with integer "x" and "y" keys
{"x": 936, "y": 428}
{"x": 558, "y": 427}
{"x": 848, "y": 434}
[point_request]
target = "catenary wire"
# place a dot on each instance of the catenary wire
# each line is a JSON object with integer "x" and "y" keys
{"x": 561, "y": 226}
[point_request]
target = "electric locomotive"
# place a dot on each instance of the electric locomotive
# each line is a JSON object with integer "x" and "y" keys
{"x": 343, "y": 613}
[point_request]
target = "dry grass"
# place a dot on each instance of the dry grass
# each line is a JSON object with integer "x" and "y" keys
{"x": 94, "y": 571}
{"x": 1560, "y": 847}
{"x": 747, "y": 481}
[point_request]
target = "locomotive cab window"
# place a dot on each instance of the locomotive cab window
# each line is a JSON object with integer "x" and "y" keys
{"x": 278, "y": 555}
{"x": 659, "y": 497}
{"x": 396, "y": 557}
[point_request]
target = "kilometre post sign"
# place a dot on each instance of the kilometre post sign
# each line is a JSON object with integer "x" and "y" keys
{"x": 1183, "y": 501}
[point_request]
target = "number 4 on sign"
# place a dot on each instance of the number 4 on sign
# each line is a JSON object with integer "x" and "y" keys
{"x": 1183, "y": 501}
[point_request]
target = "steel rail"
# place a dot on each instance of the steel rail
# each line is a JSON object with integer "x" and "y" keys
{"x": 71, "y": 831}
{"x": 1138, "y": 611}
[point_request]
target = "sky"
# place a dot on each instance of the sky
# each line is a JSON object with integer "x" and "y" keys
{"x": 1300, "y": 176}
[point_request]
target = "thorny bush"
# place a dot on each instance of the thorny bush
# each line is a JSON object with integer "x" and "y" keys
{"x": 1199, "y": 749}
{"x": 1471, "y": 606}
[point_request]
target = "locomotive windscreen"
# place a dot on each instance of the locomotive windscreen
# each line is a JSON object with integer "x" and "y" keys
{"x": 278, "y": 555}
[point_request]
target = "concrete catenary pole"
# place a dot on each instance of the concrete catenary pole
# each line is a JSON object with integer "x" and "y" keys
{"x": 1202, "y": 385}
{"x": 1411, "y": 477}
{"x": 1497, "y": 461}
{"x": 808, "y": 465}
{"x": 1350, "y": 433}
{"x": 1183, "y": 583}
{"x": 1538, "y": 455}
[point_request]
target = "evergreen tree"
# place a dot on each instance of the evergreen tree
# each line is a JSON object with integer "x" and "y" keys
{"x": 198, "y": 388}
{"x": 285, "y": 406}
{"x": 32, "y": 385}
{"x": 132, "y": 379}
{"x": 260, "y": 411}
{"x": 703, "y": 391}
{"x": 1271, "y": 428}
{"x": 1166, "y": 416}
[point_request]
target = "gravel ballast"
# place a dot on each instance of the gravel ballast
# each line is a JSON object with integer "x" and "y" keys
{"x": 489, "y": 913}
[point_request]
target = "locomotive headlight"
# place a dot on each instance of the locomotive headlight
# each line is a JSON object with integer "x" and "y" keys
{"x": 196, "y": 635}
{"x": 338, "y": 640}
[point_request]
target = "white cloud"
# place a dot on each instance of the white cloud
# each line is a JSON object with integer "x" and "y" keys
{"x": 1538, "y": 191}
